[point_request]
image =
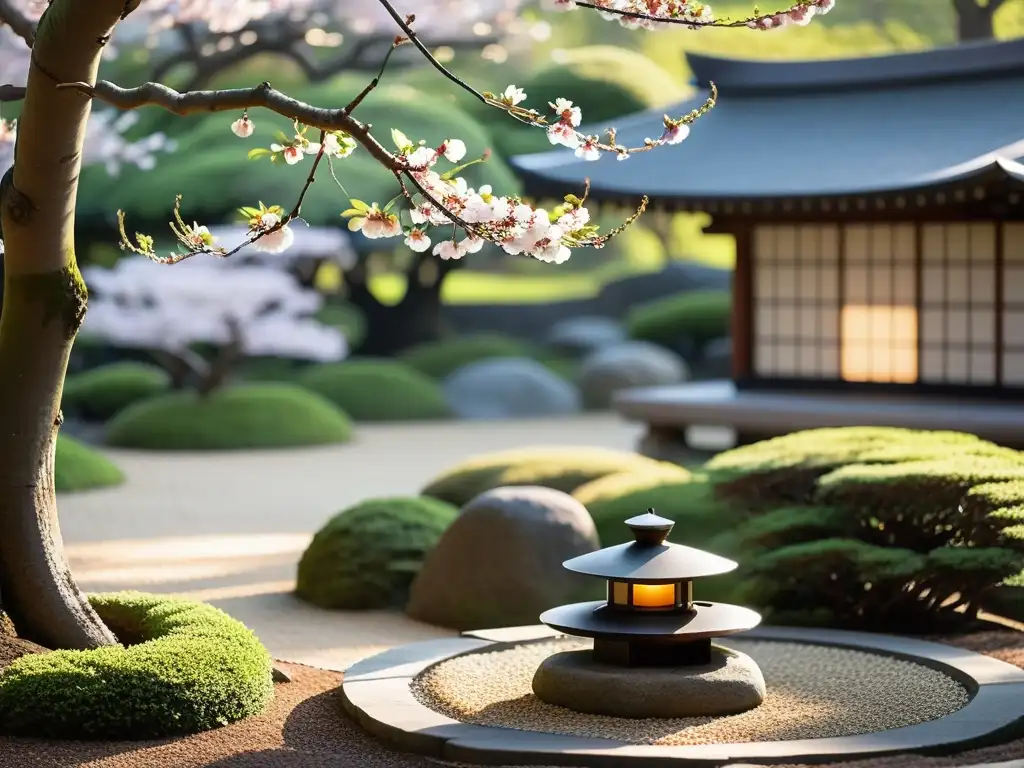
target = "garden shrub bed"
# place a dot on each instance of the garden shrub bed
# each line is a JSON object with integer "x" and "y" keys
{"x": 890, "y": 528}
{"x": 367, "y": 556}
{"x": 377, "y": 390}
{"x": 440, "y": 359}
{"x": 98, "y": 394}
{"x": 238, "y": 417}
{"x": 189, "y": 667}
{"x": 564, "y": 468}
{"x": 699, "y": 316}
{"x": 78, "y": 467}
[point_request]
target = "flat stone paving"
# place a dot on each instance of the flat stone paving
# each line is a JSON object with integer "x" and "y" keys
{"x": 228, "y": 528}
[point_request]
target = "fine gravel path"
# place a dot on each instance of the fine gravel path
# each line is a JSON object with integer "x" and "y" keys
{"x": 228, "y": 528}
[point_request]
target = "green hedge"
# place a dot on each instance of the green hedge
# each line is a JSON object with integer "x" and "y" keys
{"x": 439, "y": 359}
{"x": 873, "y": 527}
{"x": 377, "y": 390}
{"x": 244, "y": 416}
{"x": 564, "y": 468}
{"x": 98, "y": 394}
{"x": 188, "y": 667}
{"x": 78, "y": 467}
{"x": 697, "y": 315}
{"x": 367, "y": 556}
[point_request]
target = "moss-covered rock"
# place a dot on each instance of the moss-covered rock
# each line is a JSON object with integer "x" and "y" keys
{"x": 439, "y": 359}
{"x": 187, "y": 667}
{"x": 564, "y": 468}
{"x": 377, "y": 390}
{"x": 98, "y": 394}
{"x": 244, "y": 416}
{"x": 698, "y": 316}
{"x": 368, "y": 555}
{"x": 78, "y": 467}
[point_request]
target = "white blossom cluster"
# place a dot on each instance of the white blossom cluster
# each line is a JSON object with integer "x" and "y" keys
{"x": 138, "y": 305}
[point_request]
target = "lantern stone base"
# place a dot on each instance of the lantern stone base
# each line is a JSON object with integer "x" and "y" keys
{"x": 730, "y": 684}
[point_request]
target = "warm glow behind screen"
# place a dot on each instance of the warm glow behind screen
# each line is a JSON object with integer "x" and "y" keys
{"x": 879, "y": 344}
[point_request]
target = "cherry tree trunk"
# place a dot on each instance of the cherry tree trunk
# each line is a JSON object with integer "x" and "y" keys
{"x": 975, "y": 21}
{"x": 44, "y": 304}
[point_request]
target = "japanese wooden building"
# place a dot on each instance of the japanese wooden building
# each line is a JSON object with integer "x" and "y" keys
{"x": 877, "y": 206}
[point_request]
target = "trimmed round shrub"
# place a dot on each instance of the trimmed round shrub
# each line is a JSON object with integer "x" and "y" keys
{"x": 377, "y": 390}
{"x": 187, "y": 667}
{"x": 244, "y": 416}
{"x": 440, "y": 359}
{"x": 367, "y": 556}
{"x": 699, "y": 316}
{"x": 889, "y": 528}
{"x": 98, "y": 394}
{"x": 605, "y": 82}
{"x": 78, "y": 467}
{"x": 564, "y": 468}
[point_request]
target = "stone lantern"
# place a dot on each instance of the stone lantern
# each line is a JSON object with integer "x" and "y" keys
{"x": 652, "y": 630}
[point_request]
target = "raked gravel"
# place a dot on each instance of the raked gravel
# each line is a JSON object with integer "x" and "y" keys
{"x": 813, "y": 692}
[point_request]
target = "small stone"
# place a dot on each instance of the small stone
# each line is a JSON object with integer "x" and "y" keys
{"x": 730, "y": 684}
{"x": 280, "y": 676}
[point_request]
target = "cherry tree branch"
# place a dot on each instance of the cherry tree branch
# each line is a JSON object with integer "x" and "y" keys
{"x": 238, "y": 100}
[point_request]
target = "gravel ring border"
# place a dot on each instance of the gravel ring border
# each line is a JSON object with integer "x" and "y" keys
{"x": 377, "y": 693}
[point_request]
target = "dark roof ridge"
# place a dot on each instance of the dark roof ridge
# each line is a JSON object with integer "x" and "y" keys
{"x": 984, "y": 59}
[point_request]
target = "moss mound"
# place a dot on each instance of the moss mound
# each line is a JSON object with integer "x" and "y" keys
{"x": 79, "y": 468}
{"x": 439, "y": 359}
{"x": 245, "y": 416}
{"x": 188, "y": 667}
{"x": 699, "y": 316}
{"x": 367, "y": 556}
{"x": 98, "y": 394}
{"x": 900, "y": 530}
{"x": 377, "y": 390}
{"x": 564, "y": 468}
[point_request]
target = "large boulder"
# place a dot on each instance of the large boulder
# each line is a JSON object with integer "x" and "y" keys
{"x": 633, "y": 364}
{"x": 509, "y": 388}
{"x": 583, "y": 335}
{"x": 500, "y": 562}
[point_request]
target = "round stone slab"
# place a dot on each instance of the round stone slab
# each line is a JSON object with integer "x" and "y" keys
{"x": 378, "y": 693}
{"x": 730, "y": 684}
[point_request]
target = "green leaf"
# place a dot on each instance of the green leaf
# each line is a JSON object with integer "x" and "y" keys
{"x": 353, "y": 212}
{"x": 258, "y": 152}
{"x": 401, "y": 140}
{"x": 359, "y": 205}
{"x": 447, "y": 175}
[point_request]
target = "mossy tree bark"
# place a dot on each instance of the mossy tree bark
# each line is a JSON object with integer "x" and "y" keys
{"x": 976, "y": 19}
{"x": 44, "y": 304}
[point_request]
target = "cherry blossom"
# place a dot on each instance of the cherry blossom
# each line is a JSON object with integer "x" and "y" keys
{"x": 243, "y": 127}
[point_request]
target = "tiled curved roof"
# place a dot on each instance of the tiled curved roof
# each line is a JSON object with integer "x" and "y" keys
{"x": 817, "y": 129}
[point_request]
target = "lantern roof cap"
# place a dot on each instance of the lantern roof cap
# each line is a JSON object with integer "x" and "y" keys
{"x": 650, "y": 557}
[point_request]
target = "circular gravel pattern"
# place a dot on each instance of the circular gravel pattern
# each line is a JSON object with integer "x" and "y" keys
{"x": 813, "y": 692}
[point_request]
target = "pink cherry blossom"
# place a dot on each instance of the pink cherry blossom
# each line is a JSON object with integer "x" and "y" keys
{"x": 417, "y": 240}
{"x": 588, "y": 149}
{"x": 243, "y": 127}
{"x": 447, "y": 249}
{"x": 674, "y": 134}
{"x": 566, "y": 112}
{"x": 453, "y": 150}
{"x": 292, "y": 155}
{"x": 513, "y": 95}
{"x": 564, "y": 134}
